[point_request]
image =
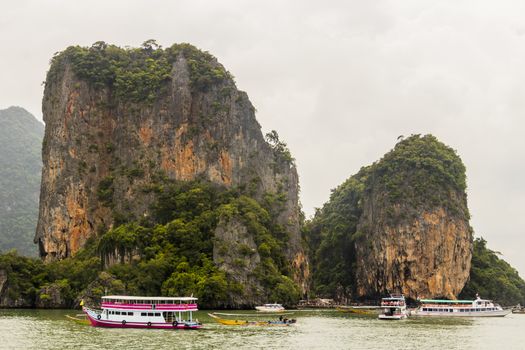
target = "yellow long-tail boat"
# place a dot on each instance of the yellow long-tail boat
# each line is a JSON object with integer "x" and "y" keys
{"x": 83, "y": 320}
{"x": 239, "y": 321}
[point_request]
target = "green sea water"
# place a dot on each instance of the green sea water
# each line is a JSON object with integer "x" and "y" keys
{"x": 50, "y": 329}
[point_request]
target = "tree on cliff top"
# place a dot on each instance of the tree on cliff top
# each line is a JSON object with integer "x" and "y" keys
{"x": 138, "y": 74}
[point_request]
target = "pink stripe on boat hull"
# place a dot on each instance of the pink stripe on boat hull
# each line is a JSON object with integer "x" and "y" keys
{"x": 115, "y": 324}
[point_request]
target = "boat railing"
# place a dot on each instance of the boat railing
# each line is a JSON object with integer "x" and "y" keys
{"x": 448, "y": 305}
{"x": 392, "y": 303}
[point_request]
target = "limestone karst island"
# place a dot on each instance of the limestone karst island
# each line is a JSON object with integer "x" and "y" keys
{"x": 156, "y": 181}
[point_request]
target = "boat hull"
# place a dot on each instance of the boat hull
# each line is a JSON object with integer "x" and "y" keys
{"x": 269, "y": 310}
{"x": 392, "y": 318}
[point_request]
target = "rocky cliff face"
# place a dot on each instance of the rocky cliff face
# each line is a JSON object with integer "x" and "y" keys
{"x": 423, "y": 257}
{"x": 115, "y": 126}
{"x": 400, "y": 225}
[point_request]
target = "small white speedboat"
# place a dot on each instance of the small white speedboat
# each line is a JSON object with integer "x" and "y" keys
{"x": 270, "y": 308}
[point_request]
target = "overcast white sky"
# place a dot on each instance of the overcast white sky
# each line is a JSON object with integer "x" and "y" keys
{"x": 339, "y": 80}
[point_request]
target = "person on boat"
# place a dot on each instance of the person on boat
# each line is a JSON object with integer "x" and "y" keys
{"x": 281, "y": 318}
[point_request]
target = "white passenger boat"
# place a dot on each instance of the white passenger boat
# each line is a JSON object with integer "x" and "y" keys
{"x": 393, "y": 308}
{"x": 270, "y": 308}
{"x": 119, "y": 311}
{"x": 460, "y": 308}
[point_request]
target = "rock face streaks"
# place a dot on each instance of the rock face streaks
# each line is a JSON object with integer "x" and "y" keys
{"x": 426, "y": 257}
{"x": 101, "y": 150}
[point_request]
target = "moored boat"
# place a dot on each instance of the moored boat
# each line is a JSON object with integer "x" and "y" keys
{"x": 460, "y": 308}
{"x": 240, "y": 320}
{"x": 270, "y": 308}
{"x": 120, "y": 311}
{"x": 84, "y": 320}
{"x": 393, "y": 308}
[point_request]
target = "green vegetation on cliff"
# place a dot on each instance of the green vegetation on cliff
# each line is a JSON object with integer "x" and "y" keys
{"x": 20, "y": 171}
{"x": 169, "y": 254}
{"x": 493, "y": 278}
{"x": 331, "y": 235}
{"x": 420, "y": 173}
{"x": 138, "y": 74}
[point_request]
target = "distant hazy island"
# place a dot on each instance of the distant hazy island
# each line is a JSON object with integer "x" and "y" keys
{"x": 157, "y": 180}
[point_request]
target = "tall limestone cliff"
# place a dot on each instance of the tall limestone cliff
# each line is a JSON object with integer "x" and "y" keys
{"x": 400, "y": 225}
{"x": 118, "y": 120}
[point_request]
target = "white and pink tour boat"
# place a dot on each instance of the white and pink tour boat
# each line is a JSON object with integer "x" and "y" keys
{"x": 119, "y": 311}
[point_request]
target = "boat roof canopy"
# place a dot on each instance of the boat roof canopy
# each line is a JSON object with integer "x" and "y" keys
{"x": 128, "y": 297}
{"x": 442, "y": 301}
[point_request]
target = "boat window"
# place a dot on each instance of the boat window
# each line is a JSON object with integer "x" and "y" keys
{"x": 157, "y": 313}
{"x": 142, "y": 314}
{"x": 130, "y": 313}
{"x": 150, "y": 313}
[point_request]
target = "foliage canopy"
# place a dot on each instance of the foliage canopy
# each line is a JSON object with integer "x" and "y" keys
{"x": 137, "y": 74}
